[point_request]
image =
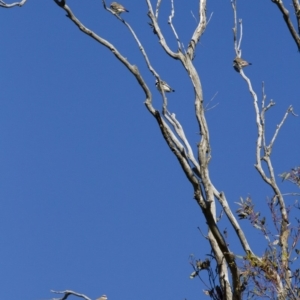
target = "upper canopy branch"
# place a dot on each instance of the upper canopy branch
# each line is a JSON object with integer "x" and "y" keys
{"x": 157, "y": 8}
{"x": 199, "y": 29}
{"x": 157, "y": 30}
{"x": 286, "y": 17}
{"x": 170, "y": 137}
{"x": 270, "y": 178}
{"x": 3, "y": 4}
{"x": 132, "y": 68}
{"x": 172, "y": 26}
{"x": 68, "y": 293}
{"x": 237, "y": 36}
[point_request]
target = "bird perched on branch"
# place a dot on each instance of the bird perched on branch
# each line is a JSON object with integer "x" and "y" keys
{"x": 166, "y": 88}
{"x": 103, "y": 297}
{"x": 239, "y": 63}
{"x": 118, "y": 8}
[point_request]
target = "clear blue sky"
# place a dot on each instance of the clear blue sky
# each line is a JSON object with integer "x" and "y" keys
{"x": 91, "y": 197}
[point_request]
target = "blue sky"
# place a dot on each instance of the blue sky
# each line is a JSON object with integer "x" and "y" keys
{"x": 91, "y": 197}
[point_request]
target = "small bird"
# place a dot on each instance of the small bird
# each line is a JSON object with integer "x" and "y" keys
{"x": 118, "y": 8}
{"x": 239, "y": 63}
{"x": 103, "y": 297}
{"x": 164, "y": 86}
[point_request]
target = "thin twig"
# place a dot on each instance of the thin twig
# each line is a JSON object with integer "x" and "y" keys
{"x": 212, "y": 99}
{"x": 194, "y": 17}
{"x": 241, "y": 37}
{"x": 208, "y": 109}
{"x": 264, "y": 109}
{"x": 157, "y": 8}
{"x": 210, "y": 17}
{"x": 289, "y": 110}
{"x": 171, "y": 24}
{"x": 264, "y": 96}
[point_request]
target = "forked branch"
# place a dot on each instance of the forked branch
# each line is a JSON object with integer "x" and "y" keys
{"x": 156, "y": 28}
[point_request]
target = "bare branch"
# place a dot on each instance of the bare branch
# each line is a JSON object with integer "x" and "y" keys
{"x": 241, "y": 36}
{"x": 194, "y": 16}
{"x": 132, "y": 68}
{"x": 198, "y": 31}
{"x": 297, "y": 12}
{"x": 4, "y": 5}
{"x": 152, "y": 70}
{"x": 210, "y": 108}
{"x": 157, "y": 8}
{"x": 171, "y": 24}
{"x": 204, "y": 191}
{"x": 159, "y": 33}
{"x": 289, "y": 110}
{"x": 262, "y": 115}
{"x": 206, "y": 106}
{"x": 67, "y": 293}
{"x": 222, "y": 268}
{"x": 179, "y": 130}
{"x": 270, "y": 180}
{"x": 235, "y": 33}
{"x": 286, "y": 17}
{"x": 239, "y": 232}
{"x": 171, "y": 118}
{"x": 284, "y": 231}
{"x": 207, "y": 206}
{"x": 174, "y": 140}
{"x": 263, "y": 100}
{"x": 210, "y": 17}
{"x": 181, "y": 158}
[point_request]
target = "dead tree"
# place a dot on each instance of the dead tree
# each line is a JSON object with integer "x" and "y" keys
{"x": 230, "y": 276}
{"x": 249, "y": 275}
